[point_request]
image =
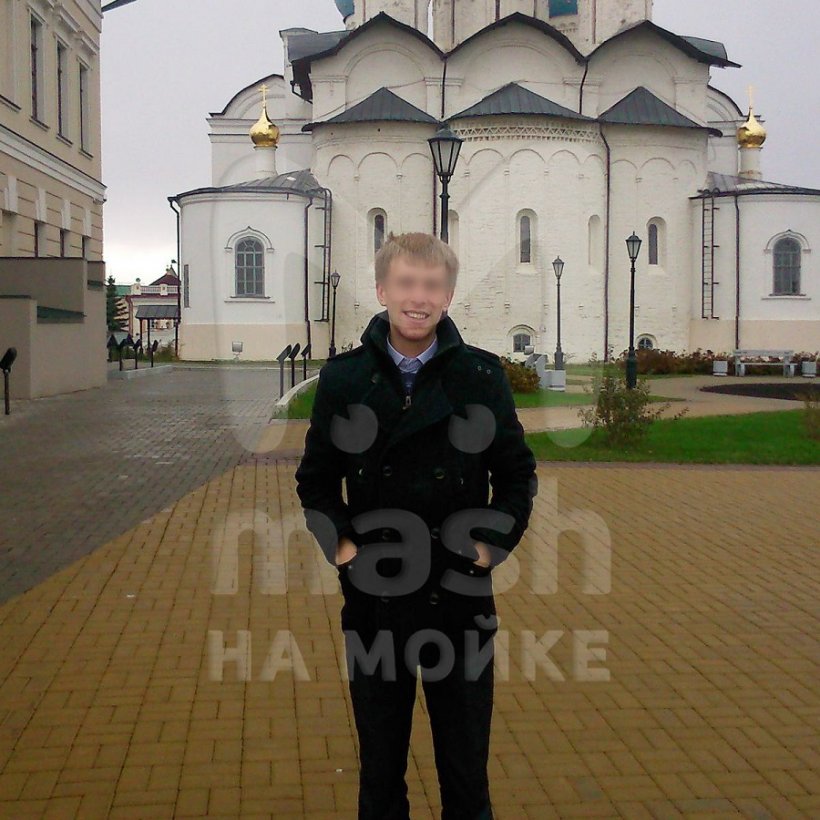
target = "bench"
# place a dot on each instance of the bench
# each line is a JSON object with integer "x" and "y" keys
{"x": 784, "y": 360}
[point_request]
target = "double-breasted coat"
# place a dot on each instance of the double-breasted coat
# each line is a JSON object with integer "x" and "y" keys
{"x": 409, "y": 465}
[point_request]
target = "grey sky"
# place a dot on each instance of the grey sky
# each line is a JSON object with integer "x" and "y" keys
{"x": 166, "y": 64}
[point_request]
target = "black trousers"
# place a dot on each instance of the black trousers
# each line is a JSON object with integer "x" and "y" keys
{"x": 390, "y": 644}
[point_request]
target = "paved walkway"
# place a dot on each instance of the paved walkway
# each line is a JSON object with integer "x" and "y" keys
{"x": 114, "y": 701}
{"x": 685, "y": 389}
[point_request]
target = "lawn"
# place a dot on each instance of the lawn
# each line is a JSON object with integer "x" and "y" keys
{"x": 776, "y": 437}
{"x": 301, "y": 405}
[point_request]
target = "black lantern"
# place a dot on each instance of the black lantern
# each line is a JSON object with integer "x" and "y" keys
{"x": 558, "y": 267}
{"x": 633, "y": 247}
{"x": 334, "y": 282}
{"x": 445, "y": 147}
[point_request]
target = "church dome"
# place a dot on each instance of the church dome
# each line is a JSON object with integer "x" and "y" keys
{"x": 264, "y": 133}
{"x": 346, "y": 7}
{"x": 751, "y": 134}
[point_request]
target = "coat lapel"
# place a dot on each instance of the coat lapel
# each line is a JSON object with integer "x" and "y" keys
{"x": 430, "y": 402}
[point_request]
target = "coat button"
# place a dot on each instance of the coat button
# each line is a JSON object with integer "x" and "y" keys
{"x": 434, "y": 532}
{"x": 385, "y": 534}
{"x": 439, "y": 472}
{"x": 361, "y": 471}
{"x": 384, "y": 599}
{"x": 434, "y": 597}
{"x": 387, "y": 470}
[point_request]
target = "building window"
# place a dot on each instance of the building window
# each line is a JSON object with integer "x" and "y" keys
{"x": 63, "y": 242}
{"x": 84, "y": 248}
{"x": 653, "y": 244}
{"x": 787, "y": 253}
{"x": 378, "y": 232}
{"x": 250, "y": 267}
{"x": 525, "y": 238}
{"x": 645, "y": 343}
{"x": 36, "y": 68}
{"x": 520, "y": 341}
{"x": 62, "y": 90}
{"x": 83, "y": 107}
{"x": 560, "y": 8}
{"x": 39, "y": 238}
{"x": 186, "y": 296}
{"x": 378, "y": 228}
{"x": 656, "y": 241}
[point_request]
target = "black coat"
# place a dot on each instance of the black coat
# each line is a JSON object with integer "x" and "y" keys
{"x": 431, "y": 457}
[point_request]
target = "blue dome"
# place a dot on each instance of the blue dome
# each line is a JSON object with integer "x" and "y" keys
{"x": 345, "y": 7}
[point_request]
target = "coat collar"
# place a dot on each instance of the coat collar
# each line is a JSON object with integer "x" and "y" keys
{"x": 432, "y": 404}
{"x": 375, "y": 337}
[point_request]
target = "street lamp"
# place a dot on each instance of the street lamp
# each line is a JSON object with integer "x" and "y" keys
{"x": 558, "y": 267}
{"x": 445, "y": 147}
{"x": 633, "y": 246}
{"x": 334, "y": 281}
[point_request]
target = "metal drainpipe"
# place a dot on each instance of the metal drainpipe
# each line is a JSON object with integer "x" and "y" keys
{"x": 607, "y": 241}
{"x": 307, "y": 269}
{"x": 435, "y": 178}
{"x": 737, "y": 272}
{"x": 171, "y": 201}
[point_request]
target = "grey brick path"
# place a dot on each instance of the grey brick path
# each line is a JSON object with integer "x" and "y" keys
{"x": 77, "y": 470}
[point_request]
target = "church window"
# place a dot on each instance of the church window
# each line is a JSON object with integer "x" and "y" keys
{"x": 520, "y": 341}
{"x": 526, "y": 232}
{"x": 656, "y": 241}
{"x": 787, "y": 253}
{"x": 646, "y": 343}
{"x": 378, "y": 224}
{"x": 559, "y": 8}
{"x": 379, "y": 231}
{"x": 250, "y": 267}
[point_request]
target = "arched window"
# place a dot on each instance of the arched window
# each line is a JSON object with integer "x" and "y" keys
{"x": 378, "y": 227}
{"x": 525, "y": 239}
{"x": 520, "y": 341}
{"x": 656, "y": 241}
{"x": 645, "y": 343}
{"x": 787, "y": 253}
{"x": 250, "y": 267}
{"x": 653, "y": 244}
{"x": 378, "y": 232}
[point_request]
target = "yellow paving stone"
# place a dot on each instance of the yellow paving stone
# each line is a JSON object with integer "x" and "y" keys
{"x": 711, "y": 639}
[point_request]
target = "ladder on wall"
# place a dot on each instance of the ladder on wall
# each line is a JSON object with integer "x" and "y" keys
{"x": 708, "y": 280}
{"x": 327, "y": 208}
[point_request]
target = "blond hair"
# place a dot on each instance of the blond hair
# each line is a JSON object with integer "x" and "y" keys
{"x": 422, "y": 247}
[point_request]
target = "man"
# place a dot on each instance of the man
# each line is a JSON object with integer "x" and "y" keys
{"x": 414, "y": 420}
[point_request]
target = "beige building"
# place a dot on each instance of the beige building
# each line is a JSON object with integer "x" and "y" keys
{"x": 52, "y": 291}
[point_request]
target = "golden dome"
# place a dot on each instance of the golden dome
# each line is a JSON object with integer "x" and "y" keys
{"x": 264, "y": 133}
{"x": 751, "y": 134}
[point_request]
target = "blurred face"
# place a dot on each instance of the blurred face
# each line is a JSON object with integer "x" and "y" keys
{"x": 415, "y": 295}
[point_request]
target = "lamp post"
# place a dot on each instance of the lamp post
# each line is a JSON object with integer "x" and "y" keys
{"x": 445, "y": 147}
{"x": 633, "y": 246}
{"x": 334, "y": 281}
{"x": 558, "y": 267}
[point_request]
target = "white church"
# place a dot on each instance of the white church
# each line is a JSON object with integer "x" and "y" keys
{"x": 582, "y": 122}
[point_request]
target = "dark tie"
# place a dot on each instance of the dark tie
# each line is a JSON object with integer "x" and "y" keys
{"x": 408, "y": 368}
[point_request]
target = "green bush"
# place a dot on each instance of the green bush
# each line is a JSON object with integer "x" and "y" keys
{"x": 624, "y": 415}
{"x": 522, "y": 379}
{"x": 811, "y": 414}
{"x": 662, "y": 362}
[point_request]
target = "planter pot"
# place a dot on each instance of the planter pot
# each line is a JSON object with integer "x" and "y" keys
{"x": 720, "y": 367}
{"x": 808, "y": 369}
{"x": 556, "y": 379}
